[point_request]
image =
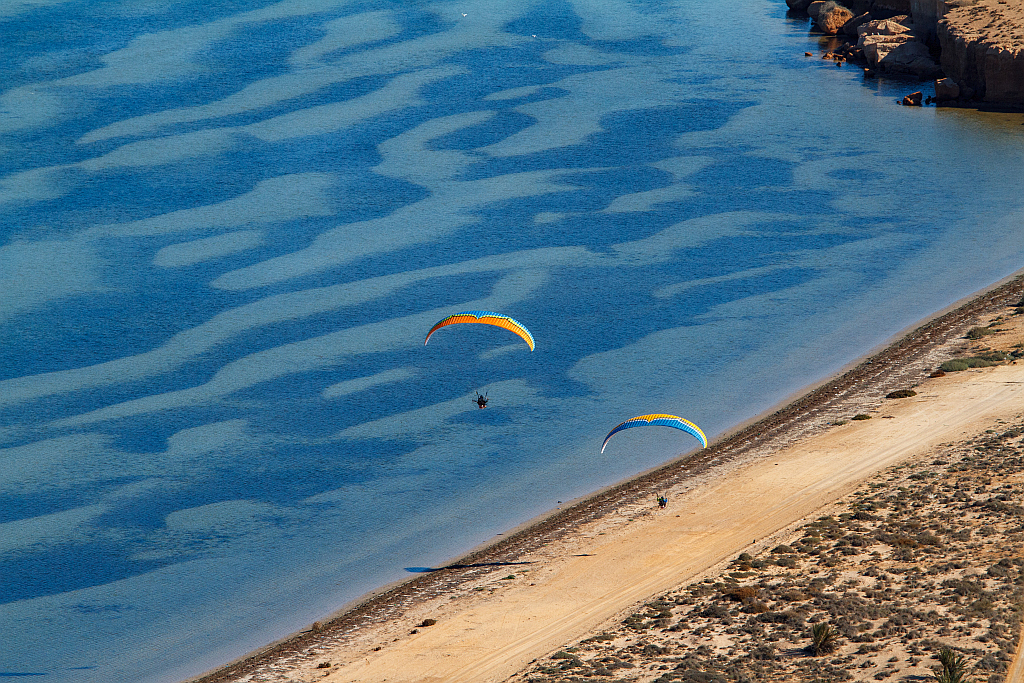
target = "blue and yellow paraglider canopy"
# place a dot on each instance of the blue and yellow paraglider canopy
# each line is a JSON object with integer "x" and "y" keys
{"x": 663, "y": 420}
{"x": 486, "y": 318}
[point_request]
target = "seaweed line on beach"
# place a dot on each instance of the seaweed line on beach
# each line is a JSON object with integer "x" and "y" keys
{"x": 901, "y": 364}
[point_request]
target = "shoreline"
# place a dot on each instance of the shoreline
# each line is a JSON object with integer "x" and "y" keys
{"x": 902, "y": 362}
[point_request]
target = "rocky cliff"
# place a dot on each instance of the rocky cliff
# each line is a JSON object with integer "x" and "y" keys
{"x": 982, "y": 44}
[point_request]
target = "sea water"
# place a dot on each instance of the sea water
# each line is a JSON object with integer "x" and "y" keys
{"x": 227, "y": 228}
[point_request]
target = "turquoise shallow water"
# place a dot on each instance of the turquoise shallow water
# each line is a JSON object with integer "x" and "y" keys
{"x": 226, "y": 231}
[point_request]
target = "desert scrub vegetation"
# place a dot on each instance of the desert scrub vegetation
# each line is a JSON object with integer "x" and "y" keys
{"x": 984, "y": 360}
{"x": 824, "y": 639}
{"x": 901, "y": 393}
{"x": 924, "y": 559}
{"x": 980, "y": 332}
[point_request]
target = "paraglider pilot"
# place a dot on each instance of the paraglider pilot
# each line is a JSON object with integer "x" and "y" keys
{"x": 662, "y": 502}
{"x": 481, "y": 400}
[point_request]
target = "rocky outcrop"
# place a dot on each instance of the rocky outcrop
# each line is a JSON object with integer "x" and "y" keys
{"x": 891, "y": 46}
{"x": 983, "y": 51}
{"x": 831, "y": 19}
{"x": 946, "y": 90}
{"x": 981, "y": 43}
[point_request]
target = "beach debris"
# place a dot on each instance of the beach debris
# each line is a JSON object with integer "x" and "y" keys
{"x": 663, "y": 420}
{"x": 485, "y": 318}
{"x": 428, "y": 622}
{"x": 326, "y": 665}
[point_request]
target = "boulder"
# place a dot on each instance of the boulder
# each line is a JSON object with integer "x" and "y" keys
{"x": 832, "y": 19}
{"x": 798, "y": 5}
{"x": 912, "y": 100}
{"x": 877, "y": 47}
{"x": 910, "y": 57}
{"x": 850, "y": 27}
{"x": 883, "y": 27}
{"x": 946, "y": 89}
{"x": 815, "y": 7}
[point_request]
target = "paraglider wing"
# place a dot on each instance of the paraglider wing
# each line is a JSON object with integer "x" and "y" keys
{"x": 660, "y": 419}
{"x": 487, "y": 318}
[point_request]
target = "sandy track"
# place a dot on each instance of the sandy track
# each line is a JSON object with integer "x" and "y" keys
{"x": 575, "y": 592}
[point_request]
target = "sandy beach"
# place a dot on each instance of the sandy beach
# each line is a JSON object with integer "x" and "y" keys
{"x": 582, "y": 570}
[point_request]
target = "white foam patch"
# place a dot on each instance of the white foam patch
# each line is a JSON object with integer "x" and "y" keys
{"x": 33, "y": 274}
{"x": 274, "y": 200}
{"x": 44, "y": 531}
{"x": 198, "y": 251}
{"x": 289, "y": 306}
{"x": 448, "y": 209}
{"x": 353, "y": 386}
{"x": 402, "y": 92}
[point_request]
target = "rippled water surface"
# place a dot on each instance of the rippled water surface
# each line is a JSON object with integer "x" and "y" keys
{"x": 226, "y": 228}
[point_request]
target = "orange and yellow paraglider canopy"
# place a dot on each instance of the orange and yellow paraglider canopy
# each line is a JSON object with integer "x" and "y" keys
{"x": 486, "y": 318}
